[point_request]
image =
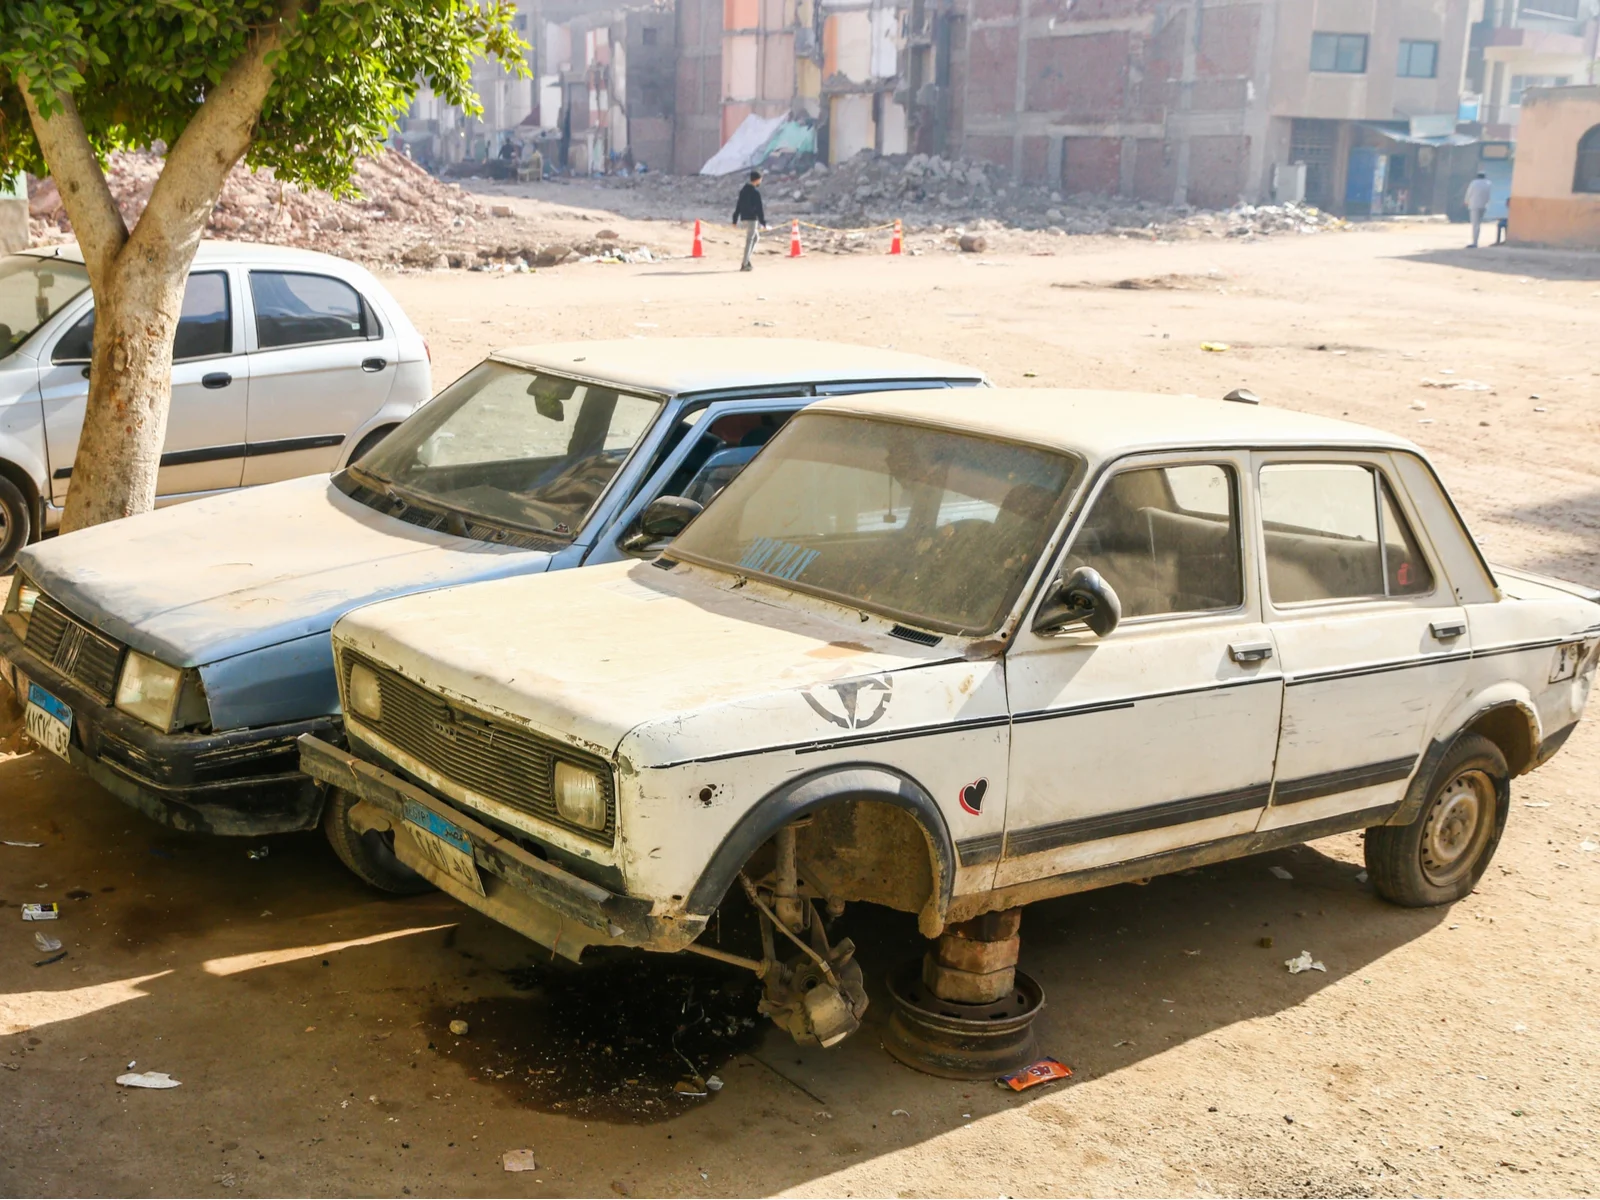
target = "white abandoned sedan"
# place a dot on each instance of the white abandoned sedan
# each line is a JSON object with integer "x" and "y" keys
{"x": 954, "y": 660}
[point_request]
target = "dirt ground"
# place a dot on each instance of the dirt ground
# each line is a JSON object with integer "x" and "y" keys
{"x": 1443, "y": 1051}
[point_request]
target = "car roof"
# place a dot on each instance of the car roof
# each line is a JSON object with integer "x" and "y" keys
{"x": 1105, "y": 424}
{"x": 218, "y": 252}
{"x": 673, "y": 366}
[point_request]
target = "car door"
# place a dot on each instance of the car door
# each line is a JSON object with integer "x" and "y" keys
{"x": 204, "y": 447}
{"x": 712, "y": 445}
{"x": 321, "y": 363}
{"x": 1161, "y": 734}
{"x": 1372, "y": 642}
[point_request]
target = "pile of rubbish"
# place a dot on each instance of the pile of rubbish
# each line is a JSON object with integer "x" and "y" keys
{"x": 932, "y": 194}
{"x": 402, "y": 216}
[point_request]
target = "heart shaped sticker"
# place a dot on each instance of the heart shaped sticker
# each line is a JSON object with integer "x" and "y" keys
{"x": 972, "y": 796}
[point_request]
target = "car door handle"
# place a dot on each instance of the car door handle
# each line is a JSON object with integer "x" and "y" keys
{"x": 374, "y": 364}
{"x": 1443, "y": 631}
{"x": 1250, "y": 652}
{"x": 216, "y": 379}
{"x": 85, "y": 372}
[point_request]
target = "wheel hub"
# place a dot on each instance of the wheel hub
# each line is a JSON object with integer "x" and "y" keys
{"x": 1453, "y": 827}
{"x": 961, "y": 1041}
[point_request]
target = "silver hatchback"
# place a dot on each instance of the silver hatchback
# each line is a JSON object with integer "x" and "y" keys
{"x": 286, "y": 363}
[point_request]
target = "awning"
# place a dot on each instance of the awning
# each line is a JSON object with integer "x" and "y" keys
{"x": 1405, "y": 136}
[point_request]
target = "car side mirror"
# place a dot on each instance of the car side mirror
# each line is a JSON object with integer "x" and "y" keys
{"x": 663, "y": 519}
{"x": 1083, "y": 596}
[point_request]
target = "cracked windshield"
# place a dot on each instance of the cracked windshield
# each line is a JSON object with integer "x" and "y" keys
{"x": 934, "y": 527}
{"x": 511, "y": 445}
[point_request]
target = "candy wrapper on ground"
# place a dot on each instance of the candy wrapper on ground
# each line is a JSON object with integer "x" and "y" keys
{"x": 1046, "y": 1070}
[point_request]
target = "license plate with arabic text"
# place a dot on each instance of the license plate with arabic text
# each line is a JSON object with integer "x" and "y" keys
{"x": 49, "y": 721}
{"x": 444, "y": 844}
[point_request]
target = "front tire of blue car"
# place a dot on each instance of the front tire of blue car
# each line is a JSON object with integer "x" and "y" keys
{"x": 369, "y": 853}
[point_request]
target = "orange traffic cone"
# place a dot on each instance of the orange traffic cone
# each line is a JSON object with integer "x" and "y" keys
{"x": 894, "y": 246}
{"x": 794, "y": 239}
{"x": 697, "y": 251}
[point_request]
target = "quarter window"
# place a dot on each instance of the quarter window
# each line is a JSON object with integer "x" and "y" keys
{"x": 1166, "y": 539}
{"x": 295, "y": 309}
{"x": 1345, "y": 53}
{"x": 1334, "y": 531}
{"x": 205, "y": 325}
{"x": 1418, "y": 60}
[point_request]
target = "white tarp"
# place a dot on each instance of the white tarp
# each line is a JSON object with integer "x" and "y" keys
{"x": 746, "y": 147}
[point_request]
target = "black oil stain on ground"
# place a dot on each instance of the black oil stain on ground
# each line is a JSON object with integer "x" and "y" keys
{"x": 610, "y": 1040}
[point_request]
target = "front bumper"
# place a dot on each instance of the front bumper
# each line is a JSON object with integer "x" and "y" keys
{"x": 240, "y": 783}
{"x": 537, "y": 898}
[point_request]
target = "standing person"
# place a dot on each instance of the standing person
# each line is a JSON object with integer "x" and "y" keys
{"x": 752, "y": 214}
{"x": 1477, "y": 200}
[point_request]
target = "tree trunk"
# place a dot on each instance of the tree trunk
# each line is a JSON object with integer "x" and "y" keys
{"x": 138, "y": 278}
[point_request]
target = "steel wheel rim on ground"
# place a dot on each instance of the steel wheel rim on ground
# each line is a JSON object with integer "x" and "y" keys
{"x": 960, "y": 1041}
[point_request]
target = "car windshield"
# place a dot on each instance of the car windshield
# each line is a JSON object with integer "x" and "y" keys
{"x": 510, "y": 445}
{"x": 32, "y": 290}
{"x": 930, "y": 526}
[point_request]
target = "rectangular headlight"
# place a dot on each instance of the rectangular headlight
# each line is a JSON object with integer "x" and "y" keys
{"x": 149, "y": 690}
{"x": 24, "y": 594}
{"x": 366, "y": 695}
{"x": 580, "y": 796}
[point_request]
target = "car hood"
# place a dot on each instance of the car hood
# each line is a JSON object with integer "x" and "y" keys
{"x": 590, "y": 655}
{"x": 227, "y": 575}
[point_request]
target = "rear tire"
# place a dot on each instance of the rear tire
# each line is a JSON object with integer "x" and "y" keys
{"x": 370, "y": 853}
{"x": 16, "y": 522}
{"x": 1440, "y": 856}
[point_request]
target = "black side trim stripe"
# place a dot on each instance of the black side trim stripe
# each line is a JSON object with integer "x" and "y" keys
{"x": 182, "y": 458}
{"x": 1156, "y": 816}
{"x": 1407, "y": 664}
{"x": 1077, "y": 710}
{"x": 1519, "y": 647}
{"x": 1331, "y": 783}
{"x": 979, "y": 850}
{"x": 816, "y": 746}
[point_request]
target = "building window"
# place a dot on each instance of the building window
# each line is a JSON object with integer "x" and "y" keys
{"x": 650, "y": 33}
{"x": 1521, "y": 83}
{"x": 1560, "y": 10}
{"x": 1345, "y": 53}
{"x": 1418, "y": 60}
{"x": 1587, "y": 177}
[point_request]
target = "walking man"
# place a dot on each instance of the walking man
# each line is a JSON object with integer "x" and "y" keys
{"x": 750, "y": 213}
{"x": 1477, "y": 200}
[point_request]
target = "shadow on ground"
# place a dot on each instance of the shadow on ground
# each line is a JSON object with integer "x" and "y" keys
{"x": 1534, "y": 262}
{"x": 308, "y": 1019}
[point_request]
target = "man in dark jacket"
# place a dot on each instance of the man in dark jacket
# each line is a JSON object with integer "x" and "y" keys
{"x": 752, "y": 214}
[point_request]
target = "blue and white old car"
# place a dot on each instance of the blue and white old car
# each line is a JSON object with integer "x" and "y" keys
{"x": 176, "y": 656}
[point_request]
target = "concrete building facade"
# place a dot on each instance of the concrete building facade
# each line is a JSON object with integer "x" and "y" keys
{"x": 1523, "y": 44}
{"x": 1555, "y": 186}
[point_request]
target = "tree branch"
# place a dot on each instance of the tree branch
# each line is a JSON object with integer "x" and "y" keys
{"x": 212, "y": 143}
{"x": 96, "y": 220}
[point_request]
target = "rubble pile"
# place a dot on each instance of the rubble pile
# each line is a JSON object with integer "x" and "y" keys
{"x": 939, "y": 195}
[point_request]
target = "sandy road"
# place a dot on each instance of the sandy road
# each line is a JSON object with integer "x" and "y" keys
{"x": 1445, "y": 1051}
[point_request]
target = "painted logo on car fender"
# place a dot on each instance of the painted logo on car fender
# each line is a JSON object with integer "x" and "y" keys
{"x": 853, "y": 703}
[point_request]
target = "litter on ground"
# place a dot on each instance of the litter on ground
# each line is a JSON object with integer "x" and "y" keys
{"x": 148, "y": 1079}
{"x": 23, "y": 845}
{"x": 518, "y": 1160}
{"x": 41, "y": 912}
{"x": 1280, "y": 872}
{"x": 1046, "y": 1070}
{"x": 1303, "y": 962}
{"x": 46, "y": 943}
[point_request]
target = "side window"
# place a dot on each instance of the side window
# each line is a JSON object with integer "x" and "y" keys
{"x": 1334, "y": 531}
{"x": 295, "y": 309}
{"x": 205, "y": 326}
{"x": 721, "y": 452}
{"x": 1166, "y": 539}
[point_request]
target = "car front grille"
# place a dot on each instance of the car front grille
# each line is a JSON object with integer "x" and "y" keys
{"x": 507, "y": 764}
{"x": 83, "y": 655}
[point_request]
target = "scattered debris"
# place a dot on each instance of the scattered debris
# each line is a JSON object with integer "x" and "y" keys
{"x": 23, "y": 845}
{"x": 695, "y": 1087}
{"x": 1535, "y": 804}
{"x": 1215, "y": 347}
{"x": 1588, "y": 847}
{"x": 714, "y": 1083}
{"x": 518, "y": 1160}
{"x": 54, "y": 958}
{"x": 1303, "y": 962}
{"x": 149, "y": 1079}
{"x": 41, "y": 912}
{"x": 1457, "y": 385}
{"x": 459, "y": 1028}
{"x": 1265, "y": 943}
{"x": 1046, "y": 1070}
{"x": 899, "y": 1112}
{"x": 46, "y": 943}
{"x": 257, "y": 853}
{"x": 1361, "y": 876}
{"x": 1243, "y": 396}
{"x": 1281, "y": 872}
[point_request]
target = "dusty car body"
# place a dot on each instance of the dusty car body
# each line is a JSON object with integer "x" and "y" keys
{"x": 285, "y": 362}
{"x": 540, "y": 459}
{"x": 952, "y": 661}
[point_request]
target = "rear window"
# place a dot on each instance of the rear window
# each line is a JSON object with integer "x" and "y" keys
{"x": 298, "y": 309}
